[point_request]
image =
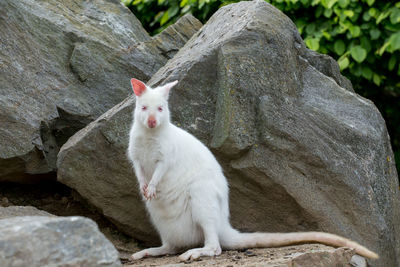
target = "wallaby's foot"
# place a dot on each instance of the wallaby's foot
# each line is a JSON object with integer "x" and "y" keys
{"x": 153, "y": 252}
{"x": 196, "y": 253}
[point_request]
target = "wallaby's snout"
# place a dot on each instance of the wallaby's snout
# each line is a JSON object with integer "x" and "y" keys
{"x": 151, "y": 122}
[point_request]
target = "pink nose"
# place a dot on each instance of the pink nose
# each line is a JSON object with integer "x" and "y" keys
{"x": 151, "y": 123}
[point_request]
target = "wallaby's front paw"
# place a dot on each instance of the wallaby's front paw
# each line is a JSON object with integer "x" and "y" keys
{"x": 143, "y": 189}
{"x": 150, "y": 192}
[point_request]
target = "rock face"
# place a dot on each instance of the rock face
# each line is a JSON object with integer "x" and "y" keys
{"x": 300, "y": 149}
{"x": 63, "y": 64}
{"x": 49, "y": 241}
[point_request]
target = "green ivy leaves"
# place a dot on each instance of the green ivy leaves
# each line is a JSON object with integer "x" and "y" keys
{"x": 312, "y": 43}
{"x": 339, "y": 47}
{"x": 156, "y": 15}
{"x": 344, "y": 62}
{"x": 392, "y": 62}
{"x": 358, "y": 53}
{"x": 357, "y": 32}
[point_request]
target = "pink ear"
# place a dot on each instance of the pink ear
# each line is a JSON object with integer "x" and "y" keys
{"x": 138, "y": 87}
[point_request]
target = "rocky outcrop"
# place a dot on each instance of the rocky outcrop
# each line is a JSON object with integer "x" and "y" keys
{"x": 54, "y": 241}
{"x": 63, "y": 64}
{"x": 300, "y": 149}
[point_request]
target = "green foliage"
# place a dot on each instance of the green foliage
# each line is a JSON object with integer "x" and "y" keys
{"x": 156, "y": 15}
{"x": 362, "y": 35}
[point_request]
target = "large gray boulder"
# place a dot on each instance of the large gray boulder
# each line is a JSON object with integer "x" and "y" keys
{"x": 54, "y": 241}
{"x": 300, "y": 149}
{"x": 63, "y": 64}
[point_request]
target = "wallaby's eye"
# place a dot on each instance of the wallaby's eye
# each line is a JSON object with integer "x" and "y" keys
{"x": 144, "y": 108}
{"x": 160, "y": 109}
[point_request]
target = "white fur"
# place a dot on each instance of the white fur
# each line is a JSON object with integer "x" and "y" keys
{"x": 185, "y": 191}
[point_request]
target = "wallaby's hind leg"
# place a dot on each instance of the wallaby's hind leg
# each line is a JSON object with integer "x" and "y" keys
{"x": 206, "y": 215}
{"x": 211, "y": 246}
{"x": 154, "y": 252}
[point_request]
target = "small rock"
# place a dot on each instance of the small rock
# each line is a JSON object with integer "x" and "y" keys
{"x": 56, "y": 241}
{"x": 250, "y": 253}
{"x": 358, "y": 261}
{"x": 237, "y": 257}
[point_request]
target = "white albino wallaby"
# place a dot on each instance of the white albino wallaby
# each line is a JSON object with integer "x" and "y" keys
{"x": 185, "y": 189}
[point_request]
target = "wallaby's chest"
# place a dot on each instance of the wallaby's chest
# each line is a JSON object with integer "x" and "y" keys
{"x": 148, "y": 151}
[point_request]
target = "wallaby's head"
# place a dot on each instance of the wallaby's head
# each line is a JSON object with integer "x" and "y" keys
{"x": 151, "y": 104}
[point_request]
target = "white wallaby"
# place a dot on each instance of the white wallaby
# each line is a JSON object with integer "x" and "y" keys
{"x": 185, "y": 190}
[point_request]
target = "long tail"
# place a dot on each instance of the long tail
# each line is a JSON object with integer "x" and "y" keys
{"x": 233, "y": 239}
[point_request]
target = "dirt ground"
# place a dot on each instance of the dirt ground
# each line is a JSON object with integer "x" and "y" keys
{"x": 60, "y": 200}
{"x": 301, "y": 255}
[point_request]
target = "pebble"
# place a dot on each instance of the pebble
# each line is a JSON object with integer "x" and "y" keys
{"x": 250, "y": 253}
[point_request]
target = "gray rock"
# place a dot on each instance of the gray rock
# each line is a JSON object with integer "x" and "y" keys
{"x": 300, "y": 149}
{"x": 14, "y": 211}
{"x": 358, "y": 261}
{"x": 323, "y": 258}
{"x": 63, "y": 64}
{"x": 54, "y": 241}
